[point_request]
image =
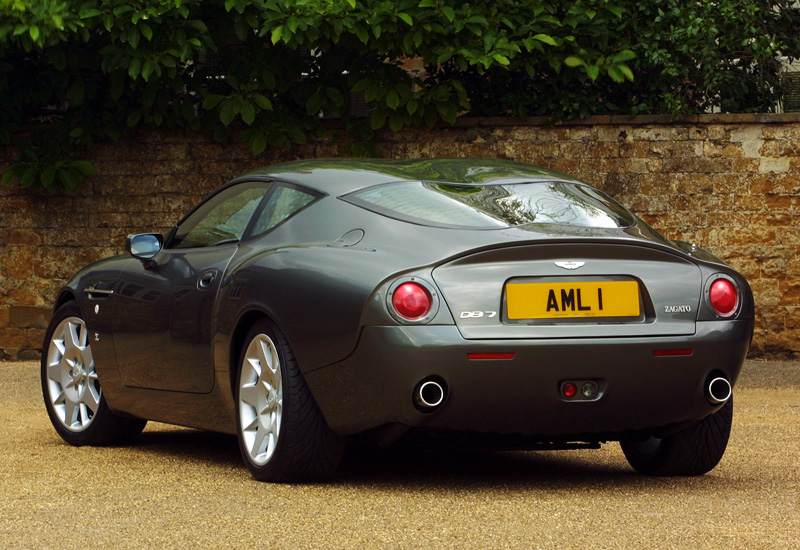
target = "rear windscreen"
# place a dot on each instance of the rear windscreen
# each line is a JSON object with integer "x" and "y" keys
{"x": 494, "y": 206}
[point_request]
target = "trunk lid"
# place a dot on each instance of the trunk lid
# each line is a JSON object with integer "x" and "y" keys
{"x": 574, "y": 289}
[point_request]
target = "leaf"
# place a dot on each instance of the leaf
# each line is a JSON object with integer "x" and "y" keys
{"x": 84, "y": 167}
{"x": 378, "y": 119}
{"x": 87, "y": 13}
{"x": 449, "y": 12}
{"x": 146, "y": 31}
{"x": 8, "y": 175}
{"x": 147, "y": 69}
{"x": 314, "y": 103}
{"x": 296, "y": 135}
{"x": 226, "y": 113}
{"x": 133, "y": 118}
{"x": 69, "y": 179}
{"x": 362, "y": 34}
{"x": 27, "y": 177}
{"x": 211, "y": 101}
{"x": 615, "y": 74}
{"x": 573, "y": 61}
{"x": 361, "y": 85}
{"x": 133, "y": 37}
{"x": 392, "y": 100}
{"x": 248, "y": 114}
{"x": 371, "y": 93}
{"x": 626, "y": 72}
{"x": 547, "y": 39}
{"x": 263, "y": 102}
{"x": 503, "y": 60}
{"x": 624, "y": 55}
{"x": 406, "y": 18}
{"x": 396, "y": 121}
{"x": 47, "y": 177}
{"x": 258, "y": 144}
{"x": 427, "y": 4}
{"x": 276, "y": 34}
{"x": 447, "y": 111}
{"x": 593, "y": 71}
{"x": 134, "y": 69}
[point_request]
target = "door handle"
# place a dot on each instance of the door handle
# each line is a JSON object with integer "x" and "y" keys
{"x": 100, "y": 290}
{"x": 206, "y": 279}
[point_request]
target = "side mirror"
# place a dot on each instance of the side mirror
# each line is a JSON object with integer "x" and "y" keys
{"x": 144, "y": 246}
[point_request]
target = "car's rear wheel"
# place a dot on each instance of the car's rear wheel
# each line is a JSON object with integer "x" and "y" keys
{"x": 71, "y": 389}
{"x": 282, "y": 433}
{"x": 690, "y": 452}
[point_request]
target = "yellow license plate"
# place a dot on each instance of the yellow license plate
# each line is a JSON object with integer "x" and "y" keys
{"x": 569, "y": 300}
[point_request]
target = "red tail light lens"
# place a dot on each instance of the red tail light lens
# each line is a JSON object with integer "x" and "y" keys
{"x": 411, "y": 301}
{"x": 724, "y": 297}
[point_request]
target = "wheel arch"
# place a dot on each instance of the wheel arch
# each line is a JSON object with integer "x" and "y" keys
{"x": 66, "y": 295}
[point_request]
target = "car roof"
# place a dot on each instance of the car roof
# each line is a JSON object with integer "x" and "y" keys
{"x": 338, "y": 176}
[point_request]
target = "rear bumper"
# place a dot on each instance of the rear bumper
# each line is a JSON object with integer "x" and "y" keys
{"x": 374, "y": 386}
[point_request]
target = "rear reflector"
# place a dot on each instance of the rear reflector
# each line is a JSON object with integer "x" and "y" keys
{"x": 672, "y": 352}
{"x": 489, "y": 356}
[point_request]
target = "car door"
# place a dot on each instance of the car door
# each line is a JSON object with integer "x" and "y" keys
{"x": 164, "y": 308}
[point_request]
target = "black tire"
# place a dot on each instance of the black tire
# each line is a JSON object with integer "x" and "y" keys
{"x": 692, "y": 451}
{"x": 71, "y": 390}
{"x": 282, "y": 434}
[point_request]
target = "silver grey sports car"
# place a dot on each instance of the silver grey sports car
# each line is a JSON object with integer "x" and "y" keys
{"x": 480, "y": 301}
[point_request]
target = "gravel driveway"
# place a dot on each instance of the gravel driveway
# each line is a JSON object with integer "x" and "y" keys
{"x": 180, "y": 488}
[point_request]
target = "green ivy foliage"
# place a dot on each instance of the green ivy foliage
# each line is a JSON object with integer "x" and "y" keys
{"x": 78, "y": 72}
{"x": 687, "y": 57}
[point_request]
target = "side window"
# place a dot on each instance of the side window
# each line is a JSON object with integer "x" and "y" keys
{"x": 221, "y": 219}
{"x": 284, "y": 202}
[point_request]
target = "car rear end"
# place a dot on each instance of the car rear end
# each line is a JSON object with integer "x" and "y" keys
{"x": 581, "y": 325}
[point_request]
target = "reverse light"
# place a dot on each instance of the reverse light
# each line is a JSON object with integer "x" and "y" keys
{"x": 411, "y": 301}
{"x": 723, "y": 297}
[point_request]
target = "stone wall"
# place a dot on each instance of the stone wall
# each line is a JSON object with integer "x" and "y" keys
{"x": 730, "y": 183}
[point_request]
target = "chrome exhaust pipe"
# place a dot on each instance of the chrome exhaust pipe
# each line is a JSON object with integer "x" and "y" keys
{"x": 429, "y": 395}
{"x": 718, "y": 391}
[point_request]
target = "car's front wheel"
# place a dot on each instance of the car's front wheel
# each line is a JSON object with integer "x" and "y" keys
{"x": 282, "y": 433}
{"x": 690, "y": 452}
{"x": 71, "y": 389}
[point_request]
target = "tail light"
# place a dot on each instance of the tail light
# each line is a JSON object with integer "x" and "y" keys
{"x": 412, "y": 301}
{"x": 723, "y": 297}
